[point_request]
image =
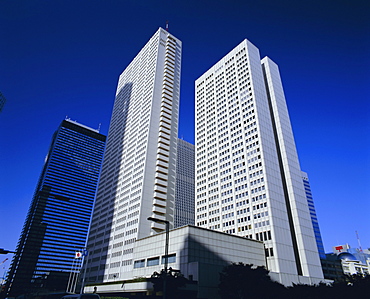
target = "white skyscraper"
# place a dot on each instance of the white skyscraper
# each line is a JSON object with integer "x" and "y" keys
{"x": 138, "y": 173}
{"x": 248, "y": 177}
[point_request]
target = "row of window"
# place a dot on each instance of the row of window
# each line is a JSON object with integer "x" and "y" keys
{"x": 154, "y": 261}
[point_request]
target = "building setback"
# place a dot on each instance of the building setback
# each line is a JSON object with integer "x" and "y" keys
{"x": 248, "y": 178}
{"x": 139, "y": 169}
{"x": 184, "y": 199}
{"x": 58, "y": 219}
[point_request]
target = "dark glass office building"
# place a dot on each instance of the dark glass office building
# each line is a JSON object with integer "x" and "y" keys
{"x": 58, "y": 219}
{"x": 315, "y": 223}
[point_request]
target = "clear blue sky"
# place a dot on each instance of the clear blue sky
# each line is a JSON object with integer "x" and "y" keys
{"x": 60, "y": 58}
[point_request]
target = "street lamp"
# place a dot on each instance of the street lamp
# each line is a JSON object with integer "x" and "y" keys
{"x": 165, "y": 251}
{"x": 3, "y": 251}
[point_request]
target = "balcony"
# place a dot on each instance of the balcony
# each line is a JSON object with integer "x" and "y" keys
{"x": 160, "y": 196}
{"x": 158, "y": 202}
{"x": 161, "y": 177}
{"x": 165, "y": 129}
{"x": 162, "y": 152}
{"x": 165, "y": 136}
{"x": 163, "y": 158}
{"x": 165, "y": 109}
{"x": 159, "y": 210}
{"x": 166, "y": 115}
{"x": 165, "y": 121}
{"x": 164, "y": 146}
{"x": 168, "y": 78}
{"x": 162, "y": 184}
{"x": 165, "y": 105}
{"x": 168, "y": 84}
{"x": 166, "y": 99}
{"x": 161, "y": 217}
{"x": 158, "y": 227}
{"x": 160, "y": 189}
{"x": 162, "y": 164}
{"x": 164, "y": 141}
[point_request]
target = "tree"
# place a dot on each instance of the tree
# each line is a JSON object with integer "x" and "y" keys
{"x": 174, "y": 281}
{"x": 239, "y": 281}
{"x": 305, "y": 291}
{"x": 354, "y": 286}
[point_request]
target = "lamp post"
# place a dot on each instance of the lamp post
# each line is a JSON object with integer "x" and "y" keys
{"x": 3, "y": 251}
{"x": 165, "y": 251}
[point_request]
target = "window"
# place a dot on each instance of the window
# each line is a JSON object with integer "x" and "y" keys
{"x": 153, "y": 261}
{"x": 139, "y": 264}
{"x": 271, "y": 252}
{"x": 267, "y": 252}
{"x": 171, "y": 258}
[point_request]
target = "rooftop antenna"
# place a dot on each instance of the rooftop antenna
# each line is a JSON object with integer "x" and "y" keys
{"x": 99, "y": 127}
{"x": 358, "y": 240}
{"x": 166, "y": 25}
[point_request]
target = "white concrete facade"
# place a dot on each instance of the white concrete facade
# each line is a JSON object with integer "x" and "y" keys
{"x": 138, "y": 173}
{"x": 248, "y": 177}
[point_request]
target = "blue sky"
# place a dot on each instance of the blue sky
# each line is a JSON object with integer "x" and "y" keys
{"x": 63, "y": 58}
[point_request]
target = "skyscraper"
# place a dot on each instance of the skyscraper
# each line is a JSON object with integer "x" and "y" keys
{"x": 315, "y": 223}
{"x": 138, "y": 172}
{"x": 58, "y": 218}
{"x": 184, "y": 199}
{"x": 248, "y": 177}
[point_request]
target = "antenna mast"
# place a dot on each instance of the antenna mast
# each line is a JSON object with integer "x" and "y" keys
{"x": 166, "y": 25}
{"x": 358, "y": 240}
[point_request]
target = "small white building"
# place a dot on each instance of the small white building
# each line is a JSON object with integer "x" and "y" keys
{"x": 200, "y": 254}
{"x": 354, "y": 267}
{"x": 354, "y": 261}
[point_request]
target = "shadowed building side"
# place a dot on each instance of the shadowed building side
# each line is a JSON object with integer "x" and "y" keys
{"x": 58, "y": 218}
{"x": 185, "y": 173}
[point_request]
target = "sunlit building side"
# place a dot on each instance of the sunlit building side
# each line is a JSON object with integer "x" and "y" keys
{"x": 248, "y": 176}
{"x": 139, "y": 169}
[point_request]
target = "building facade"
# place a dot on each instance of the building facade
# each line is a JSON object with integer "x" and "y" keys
{"x": 315, "y": 223}
{"x": 199, "y": 254}
{"x": 354, "y": 261}
{"x": 139, "y": 169}
{"x": 58, "y": 219}
{"x": 185, "y": 169}
{"x": 248, "y": 177}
